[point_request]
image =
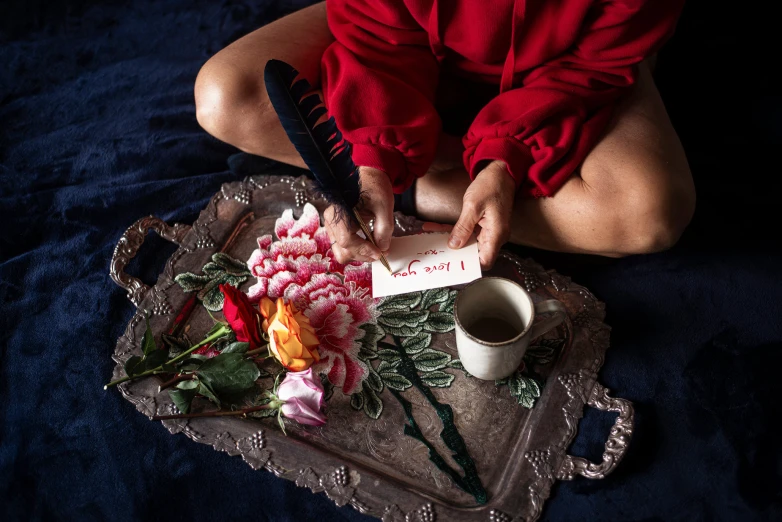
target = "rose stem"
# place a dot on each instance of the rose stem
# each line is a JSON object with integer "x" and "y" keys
{"x": 176, "y": 380}
{"x": 159, "y": 369}
{"x": 213, "y": 413}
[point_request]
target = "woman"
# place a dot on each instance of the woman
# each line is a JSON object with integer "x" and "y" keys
{"x": 565, "y": 142}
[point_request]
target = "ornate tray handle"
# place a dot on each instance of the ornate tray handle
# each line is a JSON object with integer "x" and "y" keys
{"x": 616, "y": 445}
{"x": 128, "y": 246}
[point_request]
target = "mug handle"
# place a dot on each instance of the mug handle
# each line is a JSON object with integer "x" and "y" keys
{"x": 553, "y": 306}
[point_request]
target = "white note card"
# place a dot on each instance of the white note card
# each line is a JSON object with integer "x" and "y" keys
{"x": 422, "y": 262}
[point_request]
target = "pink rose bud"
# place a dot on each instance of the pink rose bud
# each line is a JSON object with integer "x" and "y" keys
{"x": 302, "y": 393}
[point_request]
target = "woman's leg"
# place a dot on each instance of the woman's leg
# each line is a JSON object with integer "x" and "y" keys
{"x": 634, "y": 192}
{"x": 231, "y": 100}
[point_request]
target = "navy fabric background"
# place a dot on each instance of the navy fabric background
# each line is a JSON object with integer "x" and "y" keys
{"x": 97, "y": 128}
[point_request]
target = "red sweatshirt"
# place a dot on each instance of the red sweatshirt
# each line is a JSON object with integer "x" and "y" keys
{"x": 560, "y": 67}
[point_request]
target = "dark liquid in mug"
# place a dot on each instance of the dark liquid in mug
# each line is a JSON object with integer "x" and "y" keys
{"x": 492, "y": 330}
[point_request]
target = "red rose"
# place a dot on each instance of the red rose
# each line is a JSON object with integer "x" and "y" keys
{"x": 242, "y": 316}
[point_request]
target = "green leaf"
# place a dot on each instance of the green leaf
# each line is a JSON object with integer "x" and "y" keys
{"x": 404, "y": 331}
{"x": 328, "y": 388}
{"x": 457, "y": 364}
{"x": 134, "y": 366}
{"x": 395, "y": 381}
{"x": 155, "y": 359}
{"x": 525, "y": 389}
{"x": 388, "y": 365}
{"x": 182, "y": 398}
{"x": 440, "y": 322}
{"x": 190, "y": 282}
{"x": 213, "y": 270}
{"x": 236, "y": 347}
{"x": 447, "y": 306}
{"x": 433, "y": 297}
{"x": 228, "y": 373}
{"x": 400, "y": 302}
{"x": 207, "y": 392}
{"x": 374, "y": 381}
{"x": 372, "y": 334}
{"x": 148, "y": 342}
{"x": 413, "y": 345}
{"x": 389, "y": 355}
{"x": 402, "y": 318}
{"x": 211, "y": 296}
{"x": 544, "y": 351}
{"x": 357, "y": 400}
{"x": 373, "y": 406}
{"x": 437, "y": 379}
{"x": 191, "y": 384}
{"x": 429, "y": 360}
{"x": 231, "y": 265}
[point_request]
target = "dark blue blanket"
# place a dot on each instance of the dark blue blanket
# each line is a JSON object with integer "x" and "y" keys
{"x": 97, "y": 128}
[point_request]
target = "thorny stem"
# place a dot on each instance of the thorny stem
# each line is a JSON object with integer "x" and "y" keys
{"x": 215, "y": 413}
{"x": 159, "y": 369}
{"x": 176, "y": 380}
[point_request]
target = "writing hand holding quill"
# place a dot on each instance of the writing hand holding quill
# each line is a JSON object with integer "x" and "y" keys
{"x": 328, "y": 156}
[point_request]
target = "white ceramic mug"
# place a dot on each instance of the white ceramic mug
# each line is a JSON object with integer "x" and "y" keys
{"x": 499, "y": 298}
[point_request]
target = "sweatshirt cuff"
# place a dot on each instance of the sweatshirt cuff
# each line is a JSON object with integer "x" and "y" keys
{"x": 514, "y": 153}
{"x": 387, "y": 159}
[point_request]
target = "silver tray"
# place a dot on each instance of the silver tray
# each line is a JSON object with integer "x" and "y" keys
{"x": 370, "y": 464}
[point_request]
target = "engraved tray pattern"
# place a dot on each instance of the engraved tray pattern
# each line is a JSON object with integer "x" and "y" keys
{"x": 369, "y": 464}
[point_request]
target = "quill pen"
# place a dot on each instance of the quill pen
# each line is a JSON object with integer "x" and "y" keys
{"x": 321, "y": 145}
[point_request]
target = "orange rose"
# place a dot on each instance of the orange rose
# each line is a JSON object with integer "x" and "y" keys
{"x": 292, "y": 338}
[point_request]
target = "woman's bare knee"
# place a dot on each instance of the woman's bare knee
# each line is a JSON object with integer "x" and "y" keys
{"x": 654, "y": 214}
{"x": 230, "y": 104}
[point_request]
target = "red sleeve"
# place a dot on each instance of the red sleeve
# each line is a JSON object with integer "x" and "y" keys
{"x": 379, "y": 80}
{"x": 545, "y": 128}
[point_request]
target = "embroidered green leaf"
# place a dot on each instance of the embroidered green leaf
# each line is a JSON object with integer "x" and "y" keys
{"x": 437, "y": 379}
{"x": 433, "y": 297}
{"x": 236, "y": 347}
{"x": 357, "y": 400}
{"x": 328, "y": 388}
{"x": 447, "y": 306}
{"x": 395, "y": 381}
{"x": 404, "y": 331}
{"x": 183, "y": 398}
{"x": 388, "y": 355}
{"x": 525, "y": 389}
{"x": 191, "y": 282}
{"x": 440, "y": 322}
{"x": 230, "y": 265}
{"x": 388, "y": 365}
{"x": 429, "y": 360}
{"x": 373, "y": 406}
{"x": 402, "y": 318}
{"x": 400, "y": 302}
{"x": 413, "y": 345}
{"x": 372, "y": 334}
{"x": 374, "y": 381}
{"x": 544, "y": 351}
{"x": 212, "y": 269}
{"x": 457, "y": 364}
{"x": 228, "y": 373}
{"x": 211, "y": 296}
{"x": 148, "y": 342}
{"x": 134, "y": 365}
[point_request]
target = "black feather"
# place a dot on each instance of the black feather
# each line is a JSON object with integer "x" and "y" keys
{"x": 321, "y": 145}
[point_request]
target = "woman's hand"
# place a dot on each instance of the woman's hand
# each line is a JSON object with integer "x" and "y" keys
{"x": 378, "y": 205}
{"x": 488, "y": 202}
